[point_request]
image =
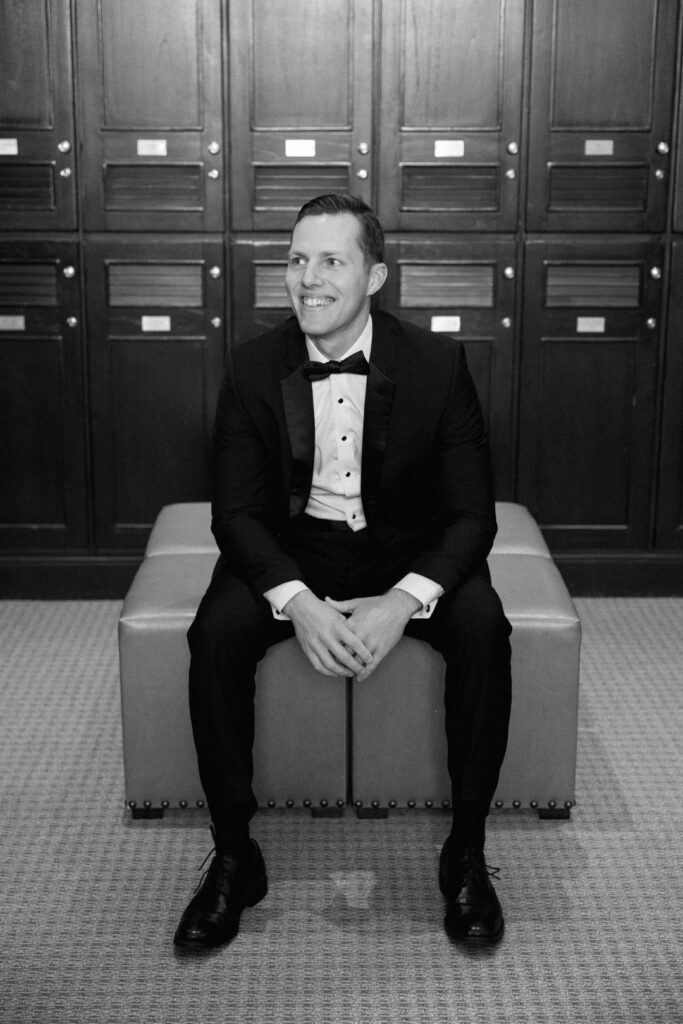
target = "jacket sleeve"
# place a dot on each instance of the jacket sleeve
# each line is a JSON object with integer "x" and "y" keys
{"x": 247, "y": 494}
{"x": 464, "y": 517}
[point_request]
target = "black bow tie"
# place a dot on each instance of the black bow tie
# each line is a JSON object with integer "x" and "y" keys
{"x": 357, "y": 363}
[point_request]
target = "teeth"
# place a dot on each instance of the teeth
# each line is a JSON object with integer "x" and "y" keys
{"x": 309, "y": 300}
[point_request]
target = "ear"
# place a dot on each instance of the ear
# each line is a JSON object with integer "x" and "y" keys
{"x": 378, "y": 275}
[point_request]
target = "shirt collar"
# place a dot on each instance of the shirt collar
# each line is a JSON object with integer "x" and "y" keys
{"x": 362, "y": 344}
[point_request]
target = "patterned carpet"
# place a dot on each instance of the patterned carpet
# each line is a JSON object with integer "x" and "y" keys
{"x": 351, "y": 931}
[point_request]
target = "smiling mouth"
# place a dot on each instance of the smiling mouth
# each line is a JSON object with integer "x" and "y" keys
{"x": 315, "y": 302}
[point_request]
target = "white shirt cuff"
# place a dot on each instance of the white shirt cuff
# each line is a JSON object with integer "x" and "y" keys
{"x": 426, "y": 591}
{"x": 277, "y": 597}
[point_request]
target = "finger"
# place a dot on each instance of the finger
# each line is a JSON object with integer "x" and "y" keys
{"x": 343, "y": 606}
{"x": 345, "y": 657}
{"x": 357, "y": 647}
{"x": 327, "y": 665}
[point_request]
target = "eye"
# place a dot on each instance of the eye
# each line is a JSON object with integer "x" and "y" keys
{"x": 296, "y": 261}
{"x": 332, "y": 261}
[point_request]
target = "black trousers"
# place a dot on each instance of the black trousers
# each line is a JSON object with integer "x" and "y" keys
{"x": 233, "y": 630}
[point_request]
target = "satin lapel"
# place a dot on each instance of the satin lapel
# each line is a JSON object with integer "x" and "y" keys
{"x": 379, "y": 403}
{"x": 297, "y": 398}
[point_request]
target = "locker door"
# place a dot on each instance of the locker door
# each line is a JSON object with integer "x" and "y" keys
{"x": 258, "y": 284}
{"x": 602, "y": 74}
{"x": 37, "y": 179}
{"x": 157, "y": 342}
{"x": 467, "y": 290}
{"x": 301, "y": 95}
{"x": 589, "y": 374}
{"x": 670, "y": 492}
{"x": 152, "y": 111}
{"x": 450, "y": 114}
{"x": 42, "y": 410}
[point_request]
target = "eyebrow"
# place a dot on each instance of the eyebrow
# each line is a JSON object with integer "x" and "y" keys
{"x": 330, "y": 252}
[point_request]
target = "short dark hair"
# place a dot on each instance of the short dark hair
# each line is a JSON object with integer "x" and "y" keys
{"x": 371, "y": 235}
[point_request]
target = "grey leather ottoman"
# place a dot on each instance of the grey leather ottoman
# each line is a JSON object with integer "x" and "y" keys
{"x": 321, "y": 741}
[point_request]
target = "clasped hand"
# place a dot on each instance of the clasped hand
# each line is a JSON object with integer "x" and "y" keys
{"x": 350, "y": 638}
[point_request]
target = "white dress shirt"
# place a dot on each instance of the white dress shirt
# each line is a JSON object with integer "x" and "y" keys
{"x": 338, "y": 407}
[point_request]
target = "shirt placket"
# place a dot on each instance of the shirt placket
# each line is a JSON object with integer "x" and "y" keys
{"x": 347, "y": 448}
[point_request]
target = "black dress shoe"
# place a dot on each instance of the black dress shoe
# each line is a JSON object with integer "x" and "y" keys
{"x": 212, "y": 917}
{"x": 473, "y": 912}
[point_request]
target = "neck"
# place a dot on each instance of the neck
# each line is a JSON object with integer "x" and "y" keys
{"x": 337, "y": 348}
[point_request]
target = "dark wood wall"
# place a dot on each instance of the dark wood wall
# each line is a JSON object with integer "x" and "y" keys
{"x": 524, "y": 157}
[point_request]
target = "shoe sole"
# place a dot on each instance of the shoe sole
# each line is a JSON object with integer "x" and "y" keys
{"x": 475, "y": 940}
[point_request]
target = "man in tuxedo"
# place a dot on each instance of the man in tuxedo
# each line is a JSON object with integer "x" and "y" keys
{"x": 353, "y": 503}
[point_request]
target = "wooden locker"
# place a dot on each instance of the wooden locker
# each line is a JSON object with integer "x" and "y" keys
{"x": 43, "y": 500}
{"x": 450, "y": 114}
{"x": 152, "y": 114}
{"x": 602, "y": 76}
{"x": 588, "y": 384}
{"x": 301, "y": 106}
{"x": 155, "y": 309}
{"x": 670, "y": 489}
{"x": 37, "y": 167}
{"x": 466, "y": 288}
{"x": 258, "y": 284}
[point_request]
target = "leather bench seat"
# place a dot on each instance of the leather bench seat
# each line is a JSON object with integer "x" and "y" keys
{"x": 321, "y": 741}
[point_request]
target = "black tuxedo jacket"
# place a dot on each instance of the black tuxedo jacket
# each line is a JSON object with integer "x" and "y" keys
{"x": 425, "y": 477}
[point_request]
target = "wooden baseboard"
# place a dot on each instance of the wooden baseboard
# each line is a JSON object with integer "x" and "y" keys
{"x": 83, "y": 577}
{"x": 612, "y": 574}
{"x": 67, "y": 577}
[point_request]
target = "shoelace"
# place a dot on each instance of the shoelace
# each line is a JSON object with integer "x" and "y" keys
{"x": 203, "y": 877}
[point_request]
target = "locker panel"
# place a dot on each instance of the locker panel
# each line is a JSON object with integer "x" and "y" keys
{"x": 669, "y": 532}
{"x": 466, "y": 288}
{"x": 153, "y": 114}
{"x": 298, "y": 93}
{"x": 157, "y": 342}
{"x": 588, "y": 383}
{"x": 450, "y": 114}
{"x": 37, "y": 167}
{"x": 301, "y": 106}
{"x": 43, "y": 502}
{"x": 600, "y": 115}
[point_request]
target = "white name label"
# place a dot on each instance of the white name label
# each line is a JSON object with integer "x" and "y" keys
{"x": 9, "y": 147}
{"x": 599, "y": 147}
{"x": 449, "y": 147}
{"x": 299, "y": 147}
{"x": 12, "y": 323}
{"x": 156, "y": 323}
{"x": 590, "y": 325}
{"x": 152, "y": 147}
{"x": 450, "y": 324}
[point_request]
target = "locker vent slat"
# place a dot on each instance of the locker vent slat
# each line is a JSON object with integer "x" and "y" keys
{"x": 288, "y": 187}
{"x": 269, "y": 286}
{"x": 28, "y": 284}
{"x": 446, "y": 285}
{"x": 27, "y": 187}
{"x": 593, "y": 286}
{"x": 153, "y": 187}
{"x": 155, "y": 284}
{"x": 450, "y": 187}
{"x": 592, "y": 187}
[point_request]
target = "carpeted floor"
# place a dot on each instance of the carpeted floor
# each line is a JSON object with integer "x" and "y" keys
{"x": 351, "y": 930}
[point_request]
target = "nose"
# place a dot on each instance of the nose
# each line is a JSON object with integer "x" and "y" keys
{"x": 311, "y": 275}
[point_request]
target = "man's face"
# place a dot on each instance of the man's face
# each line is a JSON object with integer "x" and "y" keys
{"x": 328, "y": 281}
